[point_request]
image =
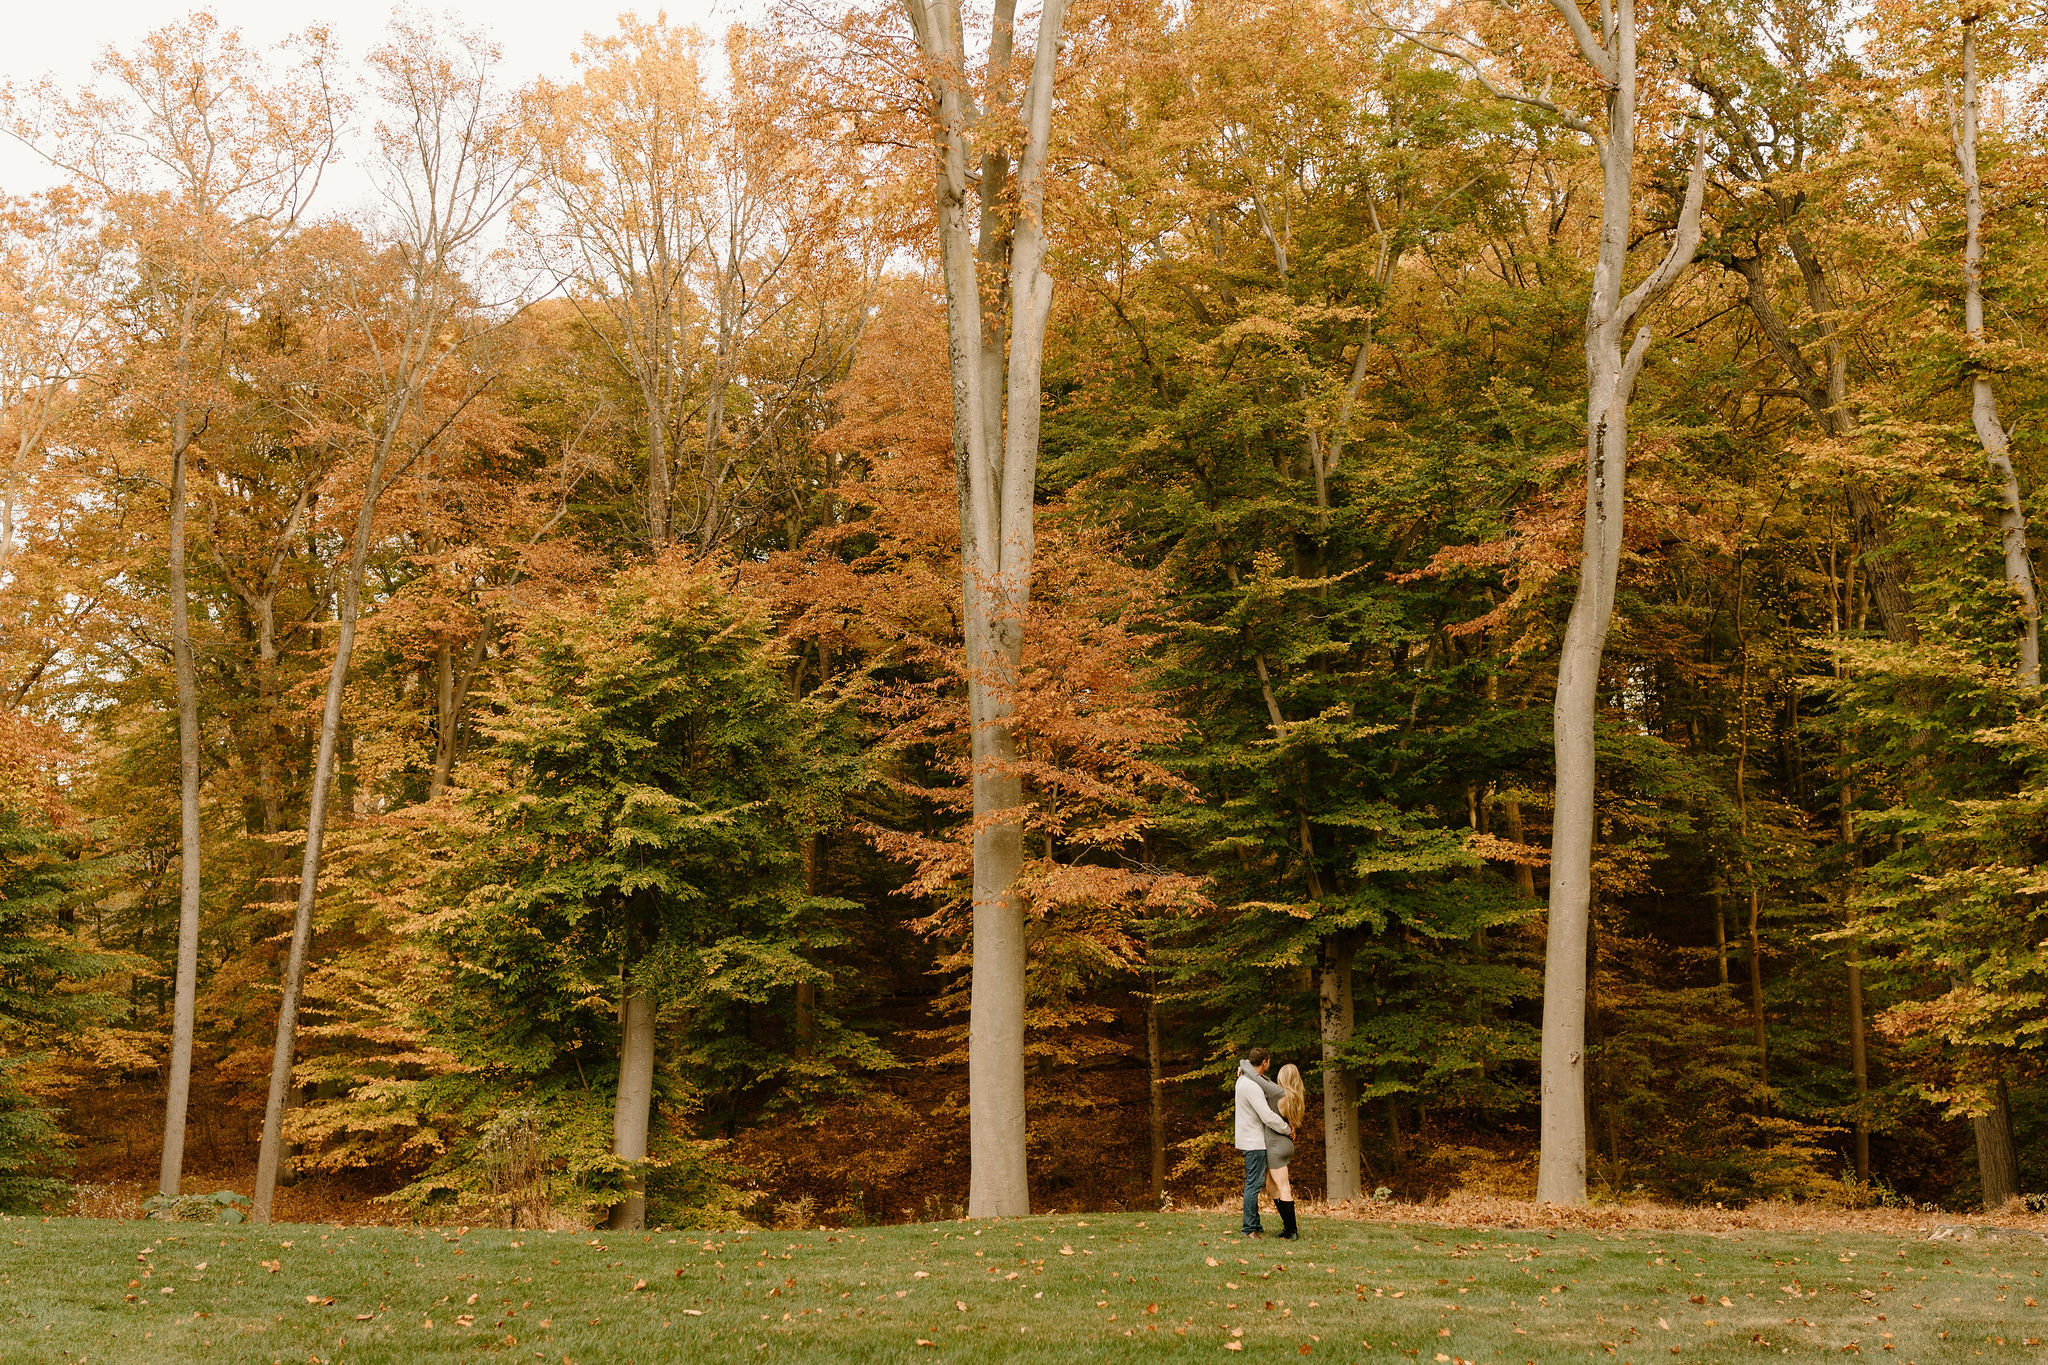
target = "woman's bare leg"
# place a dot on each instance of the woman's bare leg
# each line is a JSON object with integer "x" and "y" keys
{"x": 1276, "y": 1179}
{"x": 1272, "y": 1190}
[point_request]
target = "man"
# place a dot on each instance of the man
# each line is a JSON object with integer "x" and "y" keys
{"x": 1254, "y": 1117}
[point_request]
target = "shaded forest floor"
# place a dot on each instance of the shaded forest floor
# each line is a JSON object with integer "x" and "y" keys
{"x": 1100, "y": 1287}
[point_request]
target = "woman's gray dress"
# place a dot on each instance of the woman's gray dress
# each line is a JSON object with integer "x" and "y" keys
{"x": 1279, "y": 1146}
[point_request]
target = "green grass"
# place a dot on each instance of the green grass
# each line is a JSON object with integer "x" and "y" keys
{"x": 1118, "y": 1287}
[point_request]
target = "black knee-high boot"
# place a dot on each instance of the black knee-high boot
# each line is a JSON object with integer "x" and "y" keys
{"x": 1287, "y": 1228}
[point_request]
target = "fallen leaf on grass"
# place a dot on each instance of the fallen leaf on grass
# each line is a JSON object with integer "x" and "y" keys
{"x": 922, "y": 1342}
{"x": 694, "y": 1312}
{"x": 315, "y": 1298}
{"x": 1213, "y": 1261}
{"x": 1233, "y": 1346}
{"x": 272, "y": 1266}
{"x": 465, "y": 1320}
{"x": 1727, "y": 1302}
{"x": 364, "y": 1317}
{"x": 638, "y": 1285}
{"x": 922, "y": 1275}
{"x": 960, "y": 1305}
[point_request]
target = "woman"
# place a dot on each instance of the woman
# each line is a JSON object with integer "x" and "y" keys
{"x": 1290, "y": 1099}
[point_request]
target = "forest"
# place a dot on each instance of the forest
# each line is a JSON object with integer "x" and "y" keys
{"x": 824, "y": 623}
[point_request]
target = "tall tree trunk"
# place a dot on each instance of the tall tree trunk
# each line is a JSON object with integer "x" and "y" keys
{"x": 633, "y": 1106}
{"x": 1720, "y": 936}
{"x": 997, "y": 394}
{"x": 2012, "y": 518}
{"x": 1613, "y": 361}
{"x": 1155, "y": 1090}
{"x": 1340, "y": 1088}
{"x": 185, "y": 991}
{"x": 349, "y": 608}
{"x": 1998, "y": 1166}
{"x": 658, "y": 513}
{"x": 1859, "y": 1063}
{"x": 807, "y": 990}
{"x": 1756, "y": 998}
{"x": 1997, "y": 1161}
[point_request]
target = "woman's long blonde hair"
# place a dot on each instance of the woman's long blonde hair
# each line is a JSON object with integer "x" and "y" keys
{"x": 1294, "y": 1095}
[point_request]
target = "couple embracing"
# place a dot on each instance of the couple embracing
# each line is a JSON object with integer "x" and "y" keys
{"x": 1266, "y": 1114}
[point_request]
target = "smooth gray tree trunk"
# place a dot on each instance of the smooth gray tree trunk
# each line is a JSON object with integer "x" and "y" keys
{"x": 633, "y": 1108}
{"x": 1613, "y": 360}
{"x": 1155, "y": 1094}
{"x": 996, "y": 363}
{"x": 1991, "y": 433}
{"x": 185, "y": 981}
{"x": 1340, "y": 1086}
{"x": 1997, "y": 1160}
{"x": 271, "y": 1151}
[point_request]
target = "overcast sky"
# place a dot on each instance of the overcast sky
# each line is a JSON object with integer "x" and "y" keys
{"x": 63, "y": 37}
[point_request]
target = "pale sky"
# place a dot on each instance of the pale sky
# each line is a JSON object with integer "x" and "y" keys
{"x": 63, "y": 37}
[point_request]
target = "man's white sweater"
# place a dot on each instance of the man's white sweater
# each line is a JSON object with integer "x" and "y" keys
{"x": 1254, "y": 1115}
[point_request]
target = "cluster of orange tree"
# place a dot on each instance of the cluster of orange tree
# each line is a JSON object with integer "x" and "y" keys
{"x": 931, "y": 579}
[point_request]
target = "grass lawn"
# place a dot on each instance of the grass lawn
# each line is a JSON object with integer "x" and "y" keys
{"x": 1121, "y": 1287}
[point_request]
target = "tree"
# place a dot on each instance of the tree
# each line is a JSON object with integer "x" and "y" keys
{"x": 450, "y": 173}
{"x": 646, "y": 799}
{"x": 996, "y": 343}
{"x": 206, "y": 160}
{"x": 2012, "y": 515}
{"x": 1614, "y": 360}
{"x": 623, "y": 159}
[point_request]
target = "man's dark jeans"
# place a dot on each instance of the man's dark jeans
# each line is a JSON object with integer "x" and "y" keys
{"x": 1254, "y": 1181}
